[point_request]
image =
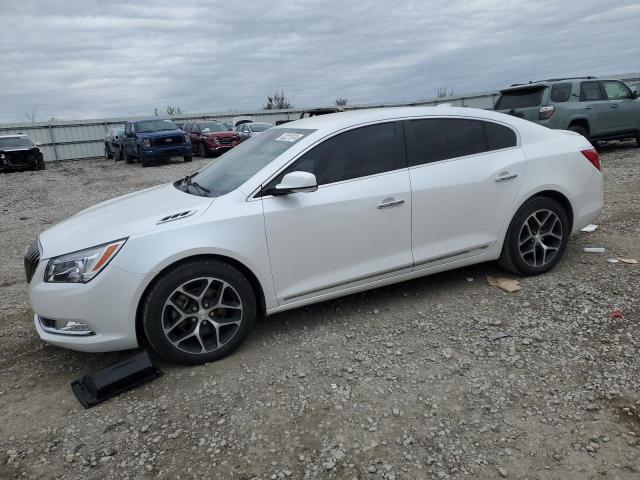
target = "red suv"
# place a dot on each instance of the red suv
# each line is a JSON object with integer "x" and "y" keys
{"x": 209, "y": 137}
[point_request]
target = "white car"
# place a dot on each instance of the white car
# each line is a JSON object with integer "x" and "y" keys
{"x": 305, "y": 212}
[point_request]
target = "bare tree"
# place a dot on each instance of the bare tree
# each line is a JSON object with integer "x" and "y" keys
{"x": 172, "y": 110}
{"x": 444, "y": 92}
{"x": 277, "y": 101}
{"x": 341, "y": 102}
{"x": 31, "y": 116}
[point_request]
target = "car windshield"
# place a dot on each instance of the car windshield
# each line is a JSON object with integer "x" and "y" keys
{"x": 212, "y": 127}
{"x": 260, "y": 127}
{"x": 154, "y": 126}
{"x": 242, "y": 162}
{"x": 520, "y": 98}
{"x": 12, "y": 142}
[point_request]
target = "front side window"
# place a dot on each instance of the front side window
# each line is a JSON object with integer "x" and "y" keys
{"x": 590, "y": 91}
{"x": 356, "y": 153}
{"x": 560, "y": 92}
{"x": 616, "y": 90}
{"x": 242, "y": 162}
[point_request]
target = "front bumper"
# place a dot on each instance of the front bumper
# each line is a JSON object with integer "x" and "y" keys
{"x": 106, "y": 306}
{"x": 162, "y": 153}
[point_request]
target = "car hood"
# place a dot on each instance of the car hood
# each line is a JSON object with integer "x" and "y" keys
{"x": 16, "y": 149}
{"x": 159, "y": 133}
{"x": 131, "y": 214}
{"x": 226, "y": 133}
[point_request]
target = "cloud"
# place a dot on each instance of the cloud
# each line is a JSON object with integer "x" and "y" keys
{"x": 77, "y": 59}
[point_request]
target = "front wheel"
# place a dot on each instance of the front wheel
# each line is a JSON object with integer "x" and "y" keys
{"x": 537, "y": 237}
{"x": 638, "y": 137}
{"x": 199, "y": 311}
{"x": 188, "y": 158}
{"x": 107, "y": 152}
{"x": 203, "y": 150}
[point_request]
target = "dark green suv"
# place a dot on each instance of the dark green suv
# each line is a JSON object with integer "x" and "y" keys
{"x": 599, "y": 109}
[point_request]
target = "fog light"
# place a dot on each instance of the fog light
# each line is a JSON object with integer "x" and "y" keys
{"x": 65, "y": 327}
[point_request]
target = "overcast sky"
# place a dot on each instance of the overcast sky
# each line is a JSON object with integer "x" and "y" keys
{"x": 91, "y": 59}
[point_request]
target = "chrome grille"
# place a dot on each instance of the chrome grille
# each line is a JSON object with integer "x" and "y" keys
{"x": 31, "y": 260}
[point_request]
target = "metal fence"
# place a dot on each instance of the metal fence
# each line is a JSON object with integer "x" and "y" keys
{"x": 65, "y": 140}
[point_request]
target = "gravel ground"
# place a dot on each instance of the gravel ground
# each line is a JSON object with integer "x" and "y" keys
{"x": 404, "y": 382}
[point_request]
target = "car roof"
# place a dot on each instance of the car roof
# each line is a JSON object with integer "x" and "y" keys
{"x": 350, "y": 118}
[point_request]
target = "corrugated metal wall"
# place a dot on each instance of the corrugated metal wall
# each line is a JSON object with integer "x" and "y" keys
{"x": 85, "y": 139}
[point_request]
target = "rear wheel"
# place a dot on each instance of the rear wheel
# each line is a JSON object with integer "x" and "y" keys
{"x": 579, "y": 129}
{"x": 537, "y": 237}
{"x": 41, "y": 165}
{"x": 638, "y": 137}
{"x": 199, "y": 311}
{"x": 107, "y": 152}
{"x": 188, "y": 158}
{"x": 203, "y": 150}
{"x": 127, "y": 157}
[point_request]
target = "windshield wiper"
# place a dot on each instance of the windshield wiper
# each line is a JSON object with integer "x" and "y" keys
{"x": 190, "y": 183}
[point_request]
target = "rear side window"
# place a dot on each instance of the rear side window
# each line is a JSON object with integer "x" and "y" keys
{"x": 520, "y": 98}
{"x": 560, "y": 92}
{"x": 590, "y": 91}
{"x": 433, "y": 140}
{"x": 357, "y": 153}
{"x": 499, "y": 136}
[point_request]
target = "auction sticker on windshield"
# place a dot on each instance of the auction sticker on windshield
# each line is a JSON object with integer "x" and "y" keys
{"x": 290, "y": 137}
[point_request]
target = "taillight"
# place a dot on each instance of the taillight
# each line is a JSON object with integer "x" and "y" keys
{"x": 546, "y": 111}
{"x": 592, "y": 155}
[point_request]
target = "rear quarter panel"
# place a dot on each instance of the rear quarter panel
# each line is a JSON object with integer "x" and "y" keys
{"x": 555, "y": 162}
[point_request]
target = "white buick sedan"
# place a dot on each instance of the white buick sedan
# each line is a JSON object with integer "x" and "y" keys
{"x": 305, "y": 212}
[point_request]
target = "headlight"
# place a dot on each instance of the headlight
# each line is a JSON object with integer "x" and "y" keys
{"x": 187, "y": 139}
{"x": 146, "y": 143}
{"x": 82, "y": 266}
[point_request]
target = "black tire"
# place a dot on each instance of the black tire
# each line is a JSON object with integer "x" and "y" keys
{"x": 165, "y": 287}
{"x": 581, "y": 130}
{"x": 41, "y": 165}
{"x": 203, "y": 150}
{"x": 638, "y": 137}
{"x": 188, "y": 158}
{"x": 512, "y": 258}
{"x": 127, "y": 158}
{"x": 107, "y": 152}
{"x": 143, "y": 160}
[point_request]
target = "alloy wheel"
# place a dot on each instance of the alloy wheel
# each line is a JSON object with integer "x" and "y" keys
{"x": 202, "y": 315}
{"x": 540, "y": 238}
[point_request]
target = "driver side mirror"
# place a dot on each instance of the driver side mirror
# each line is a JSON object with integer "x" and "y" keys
{"x": 295, "y": 182}
{"x": 636, "y": 93}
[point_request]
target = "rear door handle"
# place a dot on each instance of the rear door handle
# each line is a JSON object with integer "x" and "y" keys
{"x": 588, "y": 107}
{"x": 505, "y": 176}
{"x": 614, "y": 105}
{"x": 389, "y": 203}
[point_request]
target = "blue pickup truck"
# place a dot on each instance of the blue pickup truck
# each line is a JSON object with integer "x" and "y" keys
{"x": 152, "y": 140}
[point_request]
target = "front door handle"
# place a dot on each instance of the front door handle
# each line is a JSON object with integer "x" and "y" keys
{"x": 588, "y": 107}
{"x": 614, "y": 105}
{"x": 505, "y": 176}
{"x": 389, "y": 203}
